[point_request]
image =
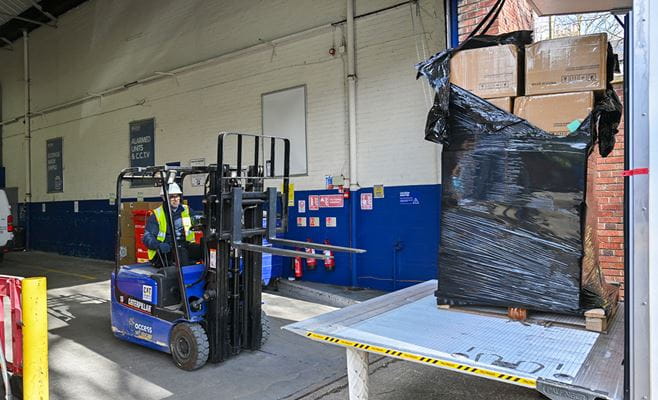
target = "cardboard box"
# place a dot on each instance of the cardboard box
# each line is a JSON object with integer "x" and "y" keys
{"x": 555, "y": 113}
{"x": 504, "y": 103}
{"x": 569, "y": 64}
{"x": 127, "y": 240}
{"x": 488, "y": 72}
{"x": 127, "y": 251}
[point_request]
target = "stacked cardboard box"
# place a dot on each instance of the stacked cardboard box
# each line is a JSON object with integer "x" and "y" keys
{"x": 128, "y": 238}
{"x": 552, "y": 84}
{"x": 494, "y": 73}
{"x": 562, "y": 78}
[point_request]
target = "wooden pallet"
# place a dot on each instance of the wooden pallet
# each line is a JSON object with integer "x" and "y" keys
{"x": 594, "y": 320}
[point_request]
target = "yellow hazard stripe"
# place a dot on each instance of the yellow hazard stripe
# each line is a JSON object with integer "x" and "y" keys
{"x": 531, "y": 383}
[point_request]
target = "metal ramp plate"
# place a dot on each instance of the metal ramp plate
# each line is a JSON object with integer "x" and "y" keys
{"x": 407, "y": 324}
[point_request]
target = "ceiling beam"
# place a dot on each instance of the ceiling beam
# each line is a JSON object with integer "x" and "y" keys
{"x": 46, "y": 13}
{"x": 8, "y": 45}
{"x": 52, "y": 25}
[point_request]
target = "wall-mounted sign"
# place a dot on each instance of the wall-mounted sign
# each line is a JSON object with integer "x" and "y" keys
{"x": 331, "y": 201}
{"x": 142, "y": 145}
{"x": 55, "y": 176}
{"x": 407, "y": 198}
{"x": 330, "y": 222}
{"x": 366, "y": 201}
{"x": 313, "y": 203}
{"x": 198, "y": 179}
{"x": 314, "y": 222}
{"x": 378, "y": 191}
{"x": 301, "y": 206}
{"x": 301, "y": 221}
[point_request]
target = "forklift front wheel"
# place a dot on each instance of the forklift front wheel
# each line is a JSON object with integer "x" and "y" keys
{"x": 189, "y": 346}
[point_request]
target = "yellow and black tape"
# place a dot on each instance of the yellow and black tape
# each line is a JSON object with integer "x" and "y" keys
{"x": 531, "y": 383}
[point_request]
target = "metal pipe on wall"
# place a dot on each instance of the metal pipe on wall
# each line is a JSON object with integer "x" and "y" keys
{"x": 351, "y": 115}
{"x": 351, "y": 94}
{"x": 28, "y": 137}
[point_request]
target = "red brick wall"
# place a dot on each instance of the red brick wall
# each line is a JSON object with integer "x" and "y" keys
{"x": 515, "y": 15}
{"x": 609, "y": 190}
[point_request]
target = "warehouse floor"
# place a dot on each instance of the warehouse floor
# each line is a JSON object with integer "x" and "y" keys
{"x": 86, "y": 361}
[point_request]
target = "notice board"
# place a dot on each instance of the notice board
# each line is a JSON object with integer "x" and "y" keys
{"x": 54, "y": 172}
{"x": 142, "y": 145}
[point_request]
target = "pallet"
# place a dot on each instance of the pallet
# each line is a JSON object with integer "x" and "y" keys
{"x": 594, "y": 320}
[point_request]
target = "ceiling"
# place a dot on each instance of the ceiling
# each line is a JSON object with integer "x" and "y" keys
{"x": 19, "y": 15}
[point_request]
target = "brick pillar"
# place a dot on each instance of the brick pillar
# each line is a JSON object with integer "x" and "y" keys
{"x": 515, "y": 15}
{"x": 609, "y": 190}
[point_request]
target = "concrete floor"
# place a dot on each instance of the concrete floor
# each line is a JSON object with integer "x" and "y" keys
{"x": 87, "y": 362}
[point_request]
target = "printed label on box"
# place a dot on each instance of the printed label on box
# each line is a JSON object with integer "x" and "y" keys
{"x": 332, "y": 201}
{"x": 301, "y": 221}
{"x": 330, "y": 222}
{"x": 314, "y": 222}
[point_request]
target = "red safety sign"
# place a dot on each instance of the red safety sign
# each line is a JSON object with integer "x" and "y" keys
{"x": 332, "y": 201}
{"x": 366, "y": 201}
{"x": 313, "y": 203}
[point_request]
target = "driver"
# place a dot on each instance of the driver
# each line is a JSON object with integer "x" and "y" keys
{"x": 157, "y": 236}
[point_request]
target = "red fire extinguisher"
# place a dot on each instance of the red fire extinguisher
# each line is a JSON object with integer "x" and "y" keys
{"x": 298, "y": 268}
{"x": 329, "y": 261}
{"x": 311, "y": 263}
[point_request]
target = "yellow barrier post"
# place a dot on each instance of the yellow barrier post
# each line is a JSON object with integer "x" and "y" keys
{"x": 35, "y": 339}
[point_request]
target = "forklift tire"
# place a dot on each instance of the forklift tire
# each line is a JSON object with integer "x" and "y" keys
{"x": 266, "y": 329}
{"x": 189, "y": 346}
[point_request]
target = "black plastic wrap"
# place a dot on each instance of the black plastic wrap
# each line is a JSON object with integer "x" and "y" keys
{"x": 515, "y": 229}
{"x": 437, "y": 71}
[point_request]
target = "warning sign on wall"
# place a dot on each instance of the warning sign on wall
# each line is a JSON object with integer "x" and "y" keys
{"x": 314, "y": 222}
{"x": 313, "y": 203}
{"x": 331, "y": 201}
{"x": 366, "y": 201}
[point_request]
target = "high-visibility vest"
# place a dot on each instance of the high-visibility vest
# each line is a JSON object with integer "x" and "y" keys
{"x": 161, "y": 217}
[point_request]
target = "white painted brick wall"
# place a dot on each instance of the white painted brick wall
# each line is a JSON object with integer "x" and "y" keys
{"x": 105, "y": 43}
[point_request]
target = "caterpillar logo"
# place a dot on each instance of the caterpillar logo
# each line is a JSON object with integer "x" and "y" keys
{"x": 139, "y": 305}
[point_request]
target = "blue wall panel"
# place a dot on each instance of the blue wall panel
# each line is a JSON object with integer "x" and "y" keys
{"x": 88, "y": 233}
{"x": 400, "y": 235}
{"x": 342, "y": 273}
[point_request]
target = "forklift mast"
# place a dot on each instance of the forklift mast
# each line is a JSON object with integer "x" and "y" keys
{"x": 240, "y": 212}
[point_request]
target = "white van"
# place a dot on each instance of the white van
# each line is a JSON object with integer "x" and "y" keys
{"x": 6, "y": 224}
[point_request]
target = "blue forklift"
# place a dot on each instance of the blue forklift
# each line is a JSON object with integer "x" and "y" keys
{"x": 211, "y": 310}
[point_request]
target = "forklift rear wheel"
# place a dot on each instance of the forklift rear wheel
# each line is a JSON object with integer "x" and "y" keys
{"x": 189, "y": 346}
{"x": 265, "y": 325}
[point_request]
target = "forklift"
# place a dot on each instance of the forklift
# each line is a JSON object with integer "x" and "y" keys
{"x": 211, "y": 310}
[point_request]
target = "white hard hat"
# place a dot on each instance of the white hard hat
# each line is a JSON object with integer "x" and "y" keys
{"x": 172, "y": 189}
